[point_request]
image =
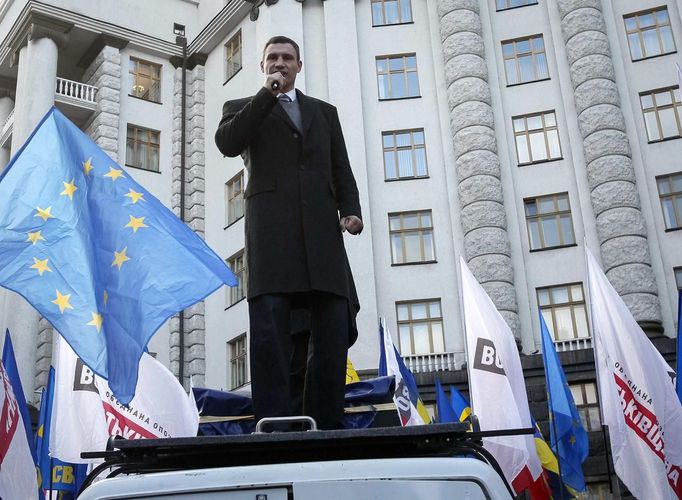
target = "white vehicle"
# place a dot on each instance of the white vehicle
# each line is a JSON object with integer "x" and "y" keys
{"x": 440, "y": 461}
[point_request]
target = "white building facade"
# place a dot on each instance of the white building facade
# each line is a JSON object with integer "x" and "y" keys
{"x": 509, "y": 132}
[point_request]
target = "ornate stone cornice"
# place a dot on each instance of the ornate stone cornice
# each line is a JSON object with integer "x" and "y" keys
{"x": 196, "y": 59}
{"x": 34, "y": 27}
{"x": 253, "y": 14}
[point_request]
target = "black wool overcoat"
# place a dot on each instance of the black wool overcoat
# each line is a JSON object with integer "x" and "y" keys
{"x": 300, "y": 182}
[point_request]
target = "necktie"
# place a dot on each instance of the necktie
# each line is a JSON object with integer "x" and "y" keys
{"x": 292, "y": 110}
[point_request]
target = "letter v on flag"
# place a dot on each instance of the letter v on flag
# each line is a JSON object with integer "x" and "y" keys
{"x": 496, "y": 385}
{"x": 96, "y": 254}
{"x": 637, "y": 396}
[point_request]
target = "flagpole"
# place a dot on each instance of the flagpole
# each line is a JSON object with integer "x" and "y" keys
{"x": 607, "y": 443}
{"x": 553, "y": 420}
{"x": 466, "y": 344}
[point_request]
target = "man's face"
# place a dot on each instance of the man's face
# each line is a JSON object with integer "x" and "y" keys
{"x": 281, "y": 57}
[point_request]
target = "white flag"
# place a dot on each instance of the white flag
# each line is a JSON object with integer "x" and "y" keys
{"x": 638, "y": 398}
{"x": 85, "y": 412}
{"x": 18, "y": 478}
{"x": 496, "y": 385}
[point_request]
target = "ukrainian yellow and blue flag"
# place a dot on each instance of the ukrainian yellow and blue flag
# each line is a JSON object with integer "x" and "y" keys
{"x": 95, "y": 253}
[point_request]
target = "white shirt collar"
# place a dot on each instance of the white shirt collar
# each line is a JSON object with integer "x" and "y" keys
{"x": 291, "y": 94}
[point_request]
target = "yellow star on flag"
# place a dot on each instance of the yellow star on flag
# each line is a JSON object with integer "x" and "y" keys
{"x": 87, "y": 166}
{"x": 114, "y": 173}
{"x": 572, "y": 440}
{"x": 106, "y": 297}
{"x": 44, "y": 213}
{"x": 62, "y": 301}
{"x": 34, "y": 237}
{"x": 96, "y": 321}
{"x": 135, "y": 196}
{"x": 40, "y": 266}
{"x": 136, "y": 223}
{"x": 69, "y": 189}
{"x": 120, "y": 258}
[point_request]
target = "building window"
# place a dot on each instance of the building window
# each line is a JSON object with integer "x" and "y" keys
{"x": 404, "y": 154}
{"x": 238, "y": 266}
{"x": 145, "y": 80}
{"x": 585, "y": 398}
{"x": 510, "y": 4}
{"x": 411, "y": 237}
{"x": 661, "y": 113}
{"x": 386, "y": 12}
{"x": 564, "y": 311}
{"x": 237, "y": 353}
{"x": 525, "y": 60}
{"x": 549, "y": 221}
{"x": 397, "y": 76}
{"x": 649, "y": 33}
{"x": 536, "y": 137}
{"x": 420, "y": 327}
{"x": 233, "y": 56}
{"x": 234, "y": 190}
{"x": 142, "y": 148}
{"x": 670, "y": 193}
{"x": 678, "y": 277}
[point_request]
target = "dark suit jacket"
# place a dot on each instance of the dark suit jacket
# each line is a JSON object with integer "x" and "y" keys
{"x": 300, "y": 183}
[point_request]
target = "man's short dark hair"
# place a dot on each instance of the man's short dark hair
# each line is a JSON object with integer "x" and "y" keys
{"x": 283, "y": 39}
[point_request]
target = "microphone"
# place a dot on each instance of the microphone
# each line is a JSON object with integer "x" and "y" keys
{"x": 274, "y": 86}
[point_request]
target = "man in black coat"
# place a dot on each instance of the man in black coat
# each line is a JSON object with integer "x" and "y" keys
{"x": 301, "y": 195}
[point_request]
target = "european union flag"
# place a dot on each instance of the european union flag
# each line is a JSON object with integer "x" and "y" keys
{"x": 446, "y": 413}
{"x": 568, "y": 436}
{"x": 95, "y": 253}
{"x": 55, "y": 475}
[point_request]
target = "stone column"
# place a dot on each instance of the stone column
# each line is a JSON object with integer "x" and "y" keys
{"x": 194, "y": 353}
{"x": 484, "y": 223}
{"x": 36, "y": 83}
{"x": 611, "y": 176}
{"x": 104, "y": 72}
{"x": 6, "y": 107}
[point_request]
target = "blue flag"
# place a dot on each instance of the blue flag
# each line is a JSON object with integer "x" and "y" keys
{"x": 460, "y": 404}
{"x": 678, "y": 364}
{"x": 446, "y": 412}
{"x": 568, "y": 436}
{"x": 95, "y": 253}
{"x": 54, "y": 474}
{"x": 10, "y": 364}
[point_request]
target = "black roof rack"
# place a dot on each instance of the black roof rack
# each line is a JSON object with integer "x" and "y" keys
{"x": 156, "y": 455}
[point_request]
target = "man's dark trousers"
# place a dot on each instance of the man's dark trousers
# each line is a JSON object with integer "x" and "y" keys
{"x": 270, "y": 348}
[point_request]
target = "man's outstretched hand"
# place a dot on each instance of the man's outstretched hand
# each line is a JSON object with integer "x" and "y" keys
{"x": 352, "y": 224}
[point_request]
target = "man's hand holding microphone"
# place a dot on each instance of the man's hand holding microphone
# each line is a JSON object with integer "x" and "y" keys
{"x": 274, "y": 82}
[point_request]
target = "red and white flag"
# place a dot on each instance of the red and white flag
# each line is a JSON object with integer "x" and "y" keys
{"x": 18, "y": 477}
{"x": 85, "y": 412}
{"x": 637, "y": 394}
{"x": 496, "y": 384}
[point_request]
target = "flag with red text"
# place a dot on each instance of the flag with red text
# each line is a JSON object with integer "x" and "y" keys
{"x": 86, "y": 412}
{"x": 638, "y": 399}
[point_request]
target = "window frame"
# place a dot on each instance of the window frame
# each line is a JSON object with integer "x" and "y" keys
{"x": 238, "y": 361}
{"x": 149, "y": 145}
{"x": 405, "y": 71}
{"x": 498, "y": 9}
{"x": 572, "y": 304}
{"x": 674, "y": 105}
{"x": 586, "y": 417}
{"x": 422, "y": 232}
{"x": 230, "y": 197}
{"x": 230, "y": 53}
{"x": 133, "y": 75}
{"x": 233, "y": 292}
{"x": 672, "y": 195}
{"x": 410, "y": 322}
{"x": 383, "y": 13}
{"x": 412, "y": 148}
{"x": 556, "y": 215}
{"x": 516, "y": 55}
{"x": 678, "y": 283}
{"x": 639, "y": 30}
{"x": 527, "y": 134}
